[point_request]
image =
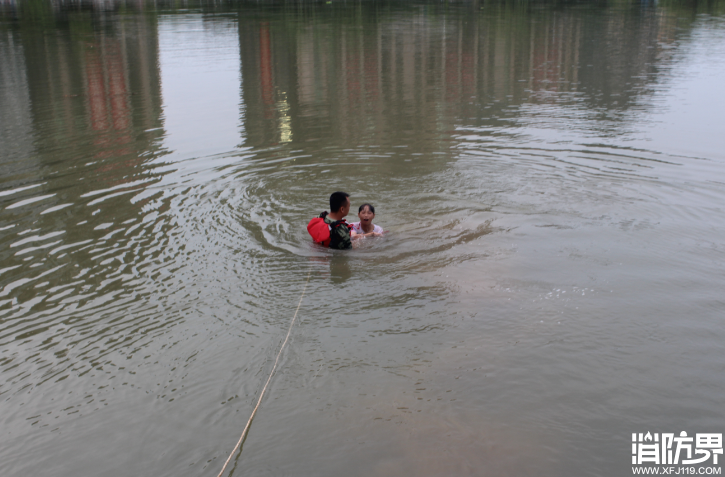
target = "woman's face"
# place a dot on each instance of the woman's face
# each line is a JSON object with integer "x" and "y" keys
{"x": 366, "y": 216}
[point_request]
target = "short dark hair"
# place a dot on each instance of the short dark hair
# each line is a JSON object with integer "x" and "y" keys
{"x": 372, "y": 209}
{"x": 337, "y": 200}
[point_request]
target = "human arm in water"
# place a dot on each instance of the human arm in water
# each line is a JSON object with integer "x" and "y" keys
{"x": 354, "y": 235}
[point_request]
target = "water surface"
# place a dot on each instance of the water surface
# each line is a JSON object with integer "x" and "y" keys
{"x": 551, "y": 179}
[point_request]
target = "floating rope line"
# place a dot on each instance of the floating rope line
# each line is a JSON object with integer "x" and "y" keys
{"x": 261, "y": 395}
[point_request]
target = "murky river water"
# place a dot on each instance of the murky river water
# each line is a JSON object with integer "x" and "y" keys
{"x": 552, "y": 179}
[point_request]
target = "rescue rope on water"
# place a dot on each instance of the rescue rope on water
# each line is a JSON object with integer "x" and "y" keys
{"x": 261, "y": 395}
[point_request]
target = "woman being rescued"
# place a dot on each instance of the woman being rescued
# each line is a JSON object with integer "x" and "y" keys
{"x": 366, "y": 227}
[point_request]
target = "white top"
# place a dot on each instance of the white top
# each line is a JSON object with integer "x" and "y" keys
{"x": 357, "y": 228}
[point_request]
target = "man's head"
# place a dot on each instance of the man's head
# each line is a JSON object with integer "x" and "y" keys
{"x": 340, "y": 203}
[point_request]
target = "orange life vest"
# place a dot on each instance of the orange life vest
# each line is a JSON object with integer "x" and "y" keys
{"x": 319, "y": 230}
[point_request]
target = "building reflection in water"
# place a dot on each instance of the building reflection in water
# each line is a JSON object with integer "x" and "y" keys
{"x": 85, "y": 94}
{"x": 386, "y": 76}
{"x": 94, "y": 95}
